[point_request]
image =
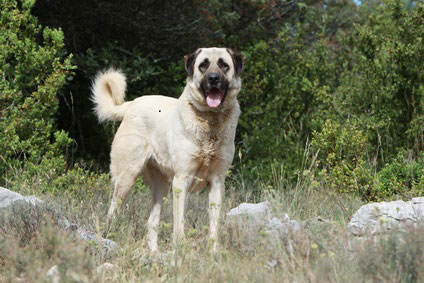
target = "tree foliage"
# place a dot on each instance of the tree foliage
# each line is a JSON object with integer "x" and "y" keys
{"x": 33, "y": 69}
{"x": 337, "y": 81}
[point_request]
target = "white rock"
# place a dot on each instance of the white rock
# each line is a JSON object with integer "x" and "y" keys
{"x": 10, "y": 202}
{"x": 272, "y": 263}
{"x": 8, "y": 198}
{"x": 418, "y": 205}
{"x": 53, "y": 274}
{"x": 282, "y": 227}
{"x": 105, "y": 267}
{"x": 106, "y": 247}
{"x": 281, "y": 231}
{"x": 253, "y": 210}
{"x": 253, "y": 219}
{"x": 375, "y": 218}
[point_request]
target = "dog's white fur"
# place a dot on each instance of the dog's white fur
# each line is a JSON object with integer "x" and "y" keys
{"x": 182, "y": 141}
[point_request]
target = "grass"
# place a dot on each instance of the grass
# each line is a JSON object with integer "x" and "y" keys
{"x": 322, "y": 252}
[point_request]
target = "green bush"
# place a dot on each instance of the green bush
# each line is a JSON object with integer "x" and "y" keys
{"x": 379, "y": 102}
{"x": 33, "y": 69}
{"x": 286, "y": 95}
{"x": 403, "y": 177}
{"x": 384, "y": 90}
{"x": 342, "y": 159}
{"x": 358, "y": 94}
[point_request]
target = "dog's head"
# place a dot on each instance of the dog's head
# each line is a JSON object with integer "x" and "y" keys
{"x": 214, "y": 76}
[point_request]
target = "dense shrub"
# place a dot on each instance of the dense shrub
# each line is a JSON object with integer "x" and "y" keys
{"x": 288, "y": 84}
{"x": 404, "y": 177}
{"x": 342, "y": 158}
{"x": 33, "y": 69}
{"x": 381, "y": 94}
{"x": 384, "y": 89}
{"x": 357, "y": 90}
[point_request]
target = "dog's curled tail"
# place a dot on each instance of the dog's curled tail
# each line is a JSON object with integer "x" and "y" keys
{"x": 108, "y": 95}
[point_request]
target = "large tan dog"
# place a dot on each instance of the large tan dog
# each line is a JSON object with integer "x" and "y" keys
{"x": 187, "y": 141}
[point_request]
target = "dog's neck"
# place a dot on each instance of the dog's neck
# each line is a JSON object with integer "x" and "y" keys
{"x": 211, "y": 117}
{"x": 209, "y": 122}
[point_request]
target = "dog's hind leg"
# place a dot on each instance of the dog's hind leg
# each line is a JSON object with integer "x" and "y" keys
{"x": 123, "y": 185}
{"x": 126, "y": 165}
{"x": 159, "y": 186}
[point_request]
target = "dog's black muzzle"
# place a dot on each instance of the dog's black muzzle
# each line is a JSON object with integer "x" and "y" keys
{"x": 214, "y": 87}
{"x": 214, "y": 81}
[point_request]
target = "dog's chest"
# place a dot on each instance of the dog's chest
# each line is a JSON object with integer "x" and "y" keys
{"x": 208, "y": 159}
{"x": 212, "y": 142}
{"x": 210, "y": 150}
{"x": 210, "y": 136}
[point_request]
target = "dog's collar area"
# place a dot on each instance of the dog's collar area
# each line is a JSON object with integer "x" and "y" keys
{"x": 212, "y": 113}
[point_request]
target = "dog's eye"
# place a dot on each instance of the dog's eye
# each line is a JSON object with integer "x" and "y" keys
{"x": 223, "y": 66}
{"x": 204, "y": 66}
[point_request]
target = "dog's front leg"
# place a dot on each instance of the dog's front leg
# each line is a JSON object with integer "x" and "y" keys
{"x": 215, "y": 203}
{"x": 180, "y": 186}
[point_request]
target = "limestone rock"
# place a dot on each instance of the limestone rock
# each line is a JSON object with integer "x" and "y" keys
{"x": 53, "y": 274}
{"x": 30, "y": 211}
{"x": 375, "y": 218}
{"x": 9, "y": 198}
{"x": 105, "y": 268}
{"x": 255, "y": 223}
{"x": 281, "y": 231}
{"x": 105, "y": 247}
{"x": 282, "y": 227}
{"x": 255, "y": 211}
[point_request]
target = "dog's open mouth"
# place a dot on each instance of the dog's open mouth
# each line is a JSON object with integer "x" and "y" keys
{"x": 214, "y": 97}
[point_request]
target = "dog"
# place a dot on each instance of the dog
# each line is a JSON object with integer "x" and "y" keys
{"x": 188, "y": 141}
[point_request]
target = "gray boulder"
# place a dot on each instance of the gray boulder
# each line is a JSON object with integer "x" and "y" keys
{"x": 106, "y": 268}
{"x": 104, "y": 248}
{"x": 281, "y": 231}
{"x": 20, "y": 214}
{"x": 376, "y": 218}
{"x": 29, "y": 211}
{"x": 9, "y": 198}
{"x": 53, "y": 274}
{"x": 255, "y": 223}
{"x": 282, "y": 227}
{"x": 253, "y": 211}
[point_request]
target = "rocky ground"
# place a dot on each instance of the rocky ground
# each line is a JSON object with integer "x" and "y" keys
{"x": 256, "y": 226}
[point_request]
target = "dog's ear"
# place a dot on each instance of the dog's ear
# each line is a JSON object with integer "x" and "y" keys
{"x": 238, "y": 61}
{"x": 189, "y": 63}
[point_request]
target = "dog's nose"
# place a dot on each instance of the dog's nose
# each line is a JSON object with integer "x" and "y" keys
{"x": 213, "y": 78}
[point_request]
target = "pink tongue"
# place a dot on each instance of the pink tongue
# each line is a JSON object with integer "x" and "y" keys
{"x": 213, "y": 100}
